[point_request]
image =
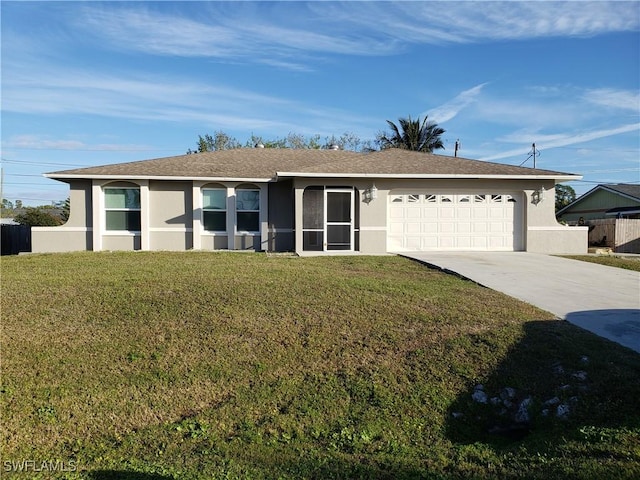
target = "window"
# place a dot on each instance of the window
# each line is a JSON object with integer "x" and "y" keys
{"x": 413, "y": 198}
{"x": 446, "y": 198}
{"x": 122, "y": 209}
{"x": 214, "y": 209}
{"x": 429, "y": 198}
{"x": 248, "y": 210}
{"x": 463, "y": 199}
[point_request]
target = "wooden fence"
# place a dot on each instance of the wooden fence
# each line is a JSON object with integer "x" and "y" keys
{"x": 622, "y": 235}
{"x": 15, "y": 239}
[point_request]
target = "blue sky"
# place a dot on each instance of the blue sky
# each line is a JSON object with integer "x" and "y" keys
{"x": 88, "y": 83}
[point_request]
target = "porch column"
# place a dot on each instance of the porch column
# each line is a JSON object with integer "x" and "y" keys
{"x": 97, "y": 217}
{"x": 264, "y": 216}
{"x": 145, "y": 204}
{"x": 297, "y": 217}
{"x": 231, "y": 217}
{"x": 196, "y": 205}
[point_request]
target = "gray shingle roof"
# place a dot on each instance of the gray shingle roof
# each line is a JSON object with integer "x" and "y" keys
{"x": 625, "y": 189}
{"x": 265, "y": 163}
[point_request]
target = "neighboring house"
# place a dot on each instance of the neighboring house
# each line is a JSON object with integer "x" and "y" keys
{"x": 311, "y": 201}
{"x": 604, "y": 201}
{"x": 612, "y": 213}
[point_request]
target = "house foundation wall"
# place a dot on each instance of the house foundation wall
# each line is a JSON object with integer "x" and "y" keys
{"x": 557, "y": 240}
{"x": 60, "y": 239}
{"x": 167, "y": 240}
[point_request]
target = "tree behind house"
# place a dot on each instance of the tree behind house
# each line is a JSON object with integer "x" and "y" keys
{"x": 38, "y": 217}
{"x": 413, "y": 135}
{"x": 564, "y": 196}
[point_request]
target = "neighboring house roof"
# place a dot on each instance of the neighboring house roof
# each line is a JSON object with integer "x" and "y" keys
{"x": 268, "y": 164}
{"x": 627, "y": 190}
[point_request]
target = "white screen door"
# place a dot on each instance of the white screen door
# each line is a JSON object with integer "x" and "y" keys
{"x": 339, "y": 219}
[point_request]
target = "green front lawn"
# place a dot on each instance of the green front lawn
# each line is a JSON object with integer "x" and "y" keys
{"x": 628, "y": 263}
{"x": 221, "y": 365}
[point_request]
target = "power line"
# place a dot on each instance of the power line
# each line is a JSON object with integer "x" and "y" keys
{"x": 22, "y": 175}
{"x": 27, "y": 162}
{"x": 95, "y": 149}
{"x": 533, "y": 153}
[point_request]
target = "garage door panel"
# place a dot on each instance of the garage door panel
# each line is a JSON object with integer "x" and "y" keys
{"x": 430, "y": 227}
{"x": 480, "y": 213}
{"x": 463, "y": 212}
{"x": 495, "y": 227}
{"x": 464, "y": 243}
{"x": 413, "y": 243}
{"x": 429, "y": 243}
{"x": 413, "y": 212}
{"x": 396, "y": 212}
{"x": 412, "y": 228}
{"x": 396, "y": 229}
{"x": 479, "y": 227}
{"x": 463, "y": 221}
{"x": 497, "y": 212}
{"x": 447, "y": 212}
{"x": 464, "y": 227}
{"x": 447, "y": 227}
{"x": 447, "y": 242}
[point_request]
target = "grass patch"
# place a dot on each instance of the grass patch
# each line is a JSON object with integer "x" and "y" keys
{"x": 628, "y": 263}
{"x": 217, "y": 365}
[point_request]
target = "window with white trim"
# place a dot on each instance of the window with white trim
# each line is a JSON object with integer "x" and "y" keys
{"x": 122, "y": 209}
{"x": 247, "y": 210}
{"x": 214, "y": 209}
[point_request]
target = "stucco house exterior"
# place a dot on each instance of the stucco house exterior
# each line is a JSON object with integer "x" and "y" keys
{"x": 311, "y": 202}
{"x": 621, "y": 200}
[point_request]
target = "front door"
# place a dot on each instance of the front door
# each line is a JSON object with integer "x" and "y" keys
{"x": 339, "y": 219}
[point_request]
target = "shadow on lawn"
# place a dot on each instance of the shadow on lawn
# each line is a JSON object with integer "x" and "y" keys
{"x": 557, "y": 379}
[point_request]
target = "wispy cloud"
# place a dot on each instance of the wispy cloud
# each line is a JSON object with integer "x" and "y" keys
{"x": 40, "y": 142}
{"x": 471, "y": 22}
{"x": 248, "y": 33}
{"x": 38, "y": 88}
{"x": 560, "y": 140}
{"x": 290, "y": 34}
{"x": 450, "y": 109}
{"x": 619, "y": 99}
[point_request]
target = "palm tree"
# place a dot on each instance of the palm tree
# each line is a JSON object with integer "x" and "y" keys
{"x": 413, "y": 135}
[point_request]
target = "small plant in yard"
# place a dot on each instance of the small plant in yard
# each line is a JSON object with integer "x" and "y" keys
{"x": 199, "y": 365}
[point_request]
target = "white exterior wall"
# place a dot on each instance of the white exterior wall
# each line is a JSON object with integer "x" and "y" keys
{"x": 171, "y": 216}
{"x": 77, "y": 233}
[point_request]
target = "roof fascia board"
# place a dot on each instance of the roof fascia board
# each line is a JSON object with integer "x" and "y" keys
{"x": 559, "y": 178}
{"x": 625, "y": 212}
{"x": 154, "y": 177}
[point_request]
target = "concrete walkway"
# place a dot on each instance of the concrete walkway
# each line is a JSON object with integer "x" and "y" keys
{"x": 603, "y": 300}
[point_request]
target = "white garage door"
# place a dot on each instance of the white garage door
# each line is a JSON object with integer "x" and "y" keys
{"x": 442, "y": 221}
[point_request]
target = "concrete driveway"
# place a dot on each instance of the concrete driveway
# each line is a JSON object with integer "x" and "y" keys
{"x": 603, "y": 300}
